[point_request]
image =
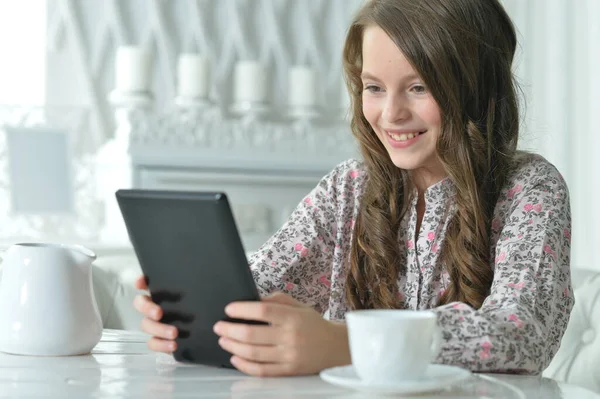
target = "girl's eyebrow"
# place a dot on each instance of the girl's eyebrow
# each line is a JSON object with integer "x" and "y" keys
{"x": 368, "y": 75}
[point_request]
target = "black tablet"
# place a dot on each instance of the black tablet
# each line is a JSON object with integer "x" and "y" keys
{"x": 189, "y": 249}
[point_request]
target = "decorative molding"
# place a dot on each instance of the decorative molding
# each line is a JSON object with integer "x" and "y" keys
{"x": 189, "y": 128}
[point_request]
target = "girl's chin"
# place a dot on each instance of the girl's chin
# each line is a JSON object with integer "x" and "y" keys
{"x": 408, "y": 163}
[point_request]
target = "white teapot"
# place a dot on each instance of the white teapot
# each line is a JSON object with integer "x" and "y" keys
{"x": 47, "y": 303}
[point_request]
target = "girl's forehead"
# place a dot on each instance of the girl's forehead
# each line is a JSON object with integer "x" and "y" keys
{"x": 382, "y": 58}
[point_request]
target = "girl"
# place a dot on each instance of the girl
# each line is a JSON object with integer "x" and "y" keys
{"x": 442, "y": 213}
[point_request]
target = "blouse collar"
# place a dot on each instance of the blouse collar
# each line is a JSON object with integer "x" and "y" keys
{"x": 440, "y": 191}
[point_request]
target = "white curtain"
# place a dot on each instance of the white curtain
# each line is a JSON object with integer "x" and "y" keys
{"x": 558, "y": 66}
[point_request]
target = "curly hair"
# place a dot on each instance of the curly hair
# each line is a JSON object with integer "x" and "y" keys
{"x": 463, "y": 50}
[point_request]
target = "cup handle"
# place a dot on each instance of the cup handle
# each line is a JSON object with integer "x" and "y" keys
{"x": 436, "y": 344}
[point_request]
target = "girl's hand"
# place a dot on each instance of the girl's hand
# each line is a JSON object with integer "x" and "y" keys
{"x": 163, "y": 334}
{"x": 298, "y": 340}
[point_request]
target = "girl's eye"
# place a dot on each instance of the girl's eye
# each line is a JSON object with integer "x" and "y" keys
{"x": 419, "y": 89}
{"x": 373, "y": 89}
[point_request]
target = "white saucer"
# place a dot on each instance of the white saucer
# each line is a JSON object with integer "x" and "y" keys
{"x": 437, "y": 377}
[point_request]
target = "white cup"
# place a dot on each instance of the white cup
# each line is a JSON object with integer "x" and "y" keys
{"x": 392, "y": 345}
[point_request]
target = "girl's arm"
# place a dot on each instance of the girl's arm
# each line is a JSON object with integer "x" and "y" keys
{"x": 521, "y": 323}
{"x": 298, "y": 258}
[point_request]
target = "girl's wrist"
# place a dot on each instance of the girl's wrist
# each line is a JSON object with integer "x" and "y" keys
{"x": 340, "y": 348}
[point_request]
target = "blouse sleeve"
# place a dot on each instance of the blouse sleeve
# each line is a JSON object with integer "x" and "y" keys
{"x": 520, "y": 324}
{"x": 298, "y": 258}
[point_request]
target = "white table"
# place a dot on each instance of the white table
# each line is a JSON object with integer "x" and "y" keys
{"x": 121, "y": 366}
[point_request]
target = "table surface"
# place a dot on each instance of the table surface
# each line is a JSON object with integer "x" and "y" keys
{"x": 121, "y": 366}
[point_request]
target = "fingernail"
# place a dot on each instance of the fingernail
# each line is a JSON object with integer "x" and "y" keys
{"x": 155, "y": 314}
{"x": 172, "y": 346}
{"x": 171, "y": 332}
{"x": 217, "y": 328}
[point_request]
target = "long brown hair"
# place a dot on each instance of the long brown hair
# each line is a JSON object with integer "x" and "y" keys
{"x": 463, "y": 50}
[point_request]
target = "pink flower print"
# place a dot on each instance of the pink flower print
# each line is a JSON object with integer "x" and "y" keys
{"x": 289, "y": 286}
{"x": 537, "y": 208}
{"x": 549, "y": 250}
{"x": 324, "y": 280}
{"x": 520, "y": 236}
{"x": 501, "y": 257}
{"x": 515, "y": 190}
{"x": 518, "y": 286}
{"x": 299, "y": 247}
{"x": 410, "y": 244}
{"x": 304, "y": 252}
{"x": 486, "y": 346}
{"x": 530, "y": 221}
{"x": 457, "y": 305}
{"x": 273, "y": 264}
{"x": 354, "y": 173}
{"x": 514, "y": 318}
{"x": 431, "y": 236}
{"x": 434, "y": 248}
{"x": 352, "y": 224}
{"x": 528, "y": 207}
{"x": 483, "y": 355}
{"x": 566, "y": 292}
{"x": 308, "y": 201}
{"x": 567, "y": 234}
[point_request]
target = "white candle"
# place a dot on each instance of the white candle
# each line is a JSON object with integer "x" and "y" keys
{"x": 132, "y": 69}
{"x": 250, "y": 82}
{"x": 193, "y": 76}
{"x": 302, "y": 86}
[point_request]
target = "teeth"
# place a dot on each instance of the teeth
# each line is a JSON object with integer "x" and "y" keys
{"x": 404, "y": 136}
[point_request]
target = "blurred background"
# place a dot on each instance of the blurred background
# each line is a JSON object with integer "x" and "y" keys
{"x": 134, "y": 84}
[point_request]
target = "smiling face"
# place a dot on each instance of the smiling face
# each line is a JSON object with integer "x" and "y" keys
{"x": 400, "y": 108}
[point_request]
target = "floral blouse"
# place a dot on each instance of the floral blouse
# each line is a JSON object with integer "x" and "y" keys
{"x": 520, "y": 324}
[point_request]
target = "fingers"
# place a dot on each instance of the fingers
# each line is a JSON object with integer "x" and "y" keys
{"x": 250, "y": 334}
{"x": 159, "y": 330}
{"x": 161, "y": 345}
{"x": 263, "y": 369}
{"x": 140, "y": 283}
{"x": 144, "y": 305}
{"x": 274, "y": 313}
{"x": 255, "y": 353}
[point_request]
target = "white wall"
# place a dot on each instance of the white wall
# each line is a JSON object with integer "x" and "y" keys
{"x": 23, "y": 49}
{"x": 559, "y": 69}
